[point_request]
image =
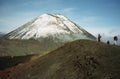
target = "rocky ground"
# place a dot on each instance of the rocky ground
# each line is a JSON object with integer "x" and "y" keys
{"x": 81, "y": 59}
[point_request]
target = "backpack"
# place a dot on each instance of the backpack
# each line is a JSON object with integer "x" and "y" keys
{"x": 115, "y": 38}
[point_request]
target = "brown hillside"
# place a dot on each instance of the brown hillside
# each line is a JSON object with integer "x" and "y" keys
{"x": 80, "y": 59}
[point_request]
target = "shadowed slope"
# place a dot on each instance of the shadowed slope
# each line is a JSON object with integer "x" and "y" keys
{"x": 8, "y": 61}
{"x": 80, "y": 59}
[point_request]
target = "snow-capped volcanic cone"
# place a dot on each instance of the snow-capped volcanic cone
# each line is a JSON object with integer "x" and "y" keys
{"x": 48, "y": 32}
{"x": 53, "y": 26}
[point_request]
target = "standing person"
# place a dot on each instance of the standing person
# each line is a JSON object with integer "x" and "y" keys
{"x": 99, "y": 38}
{"x": 115, "y": 40}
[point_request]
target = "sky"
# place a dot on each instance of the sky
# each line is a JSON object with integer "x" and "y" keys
{"x": 95, "y": 16}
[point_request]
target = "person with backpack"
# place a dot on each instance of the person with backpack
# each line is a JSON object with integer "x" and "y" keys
{"x": 115, "y": 40}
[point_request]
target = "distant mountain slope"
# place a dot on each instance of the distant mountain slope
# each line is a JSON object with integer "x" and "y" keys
{"x": 16, "y": 47}
{"x": 80, "y": 59}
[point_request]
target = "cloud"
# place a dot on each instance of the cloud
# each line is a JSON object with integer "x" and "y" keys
{"x": 87, "y": 19}
{"x": 110, "y": 32}
{"x": 94, "y": 25}
{"x": 115, "y": 31}
{"x": 65, "y": 10}
{"x": 97, "y": 30}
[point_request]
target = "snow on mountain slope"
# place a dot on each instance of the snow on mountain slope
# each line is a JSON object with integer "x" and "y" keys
{"x": 52, "y": 26}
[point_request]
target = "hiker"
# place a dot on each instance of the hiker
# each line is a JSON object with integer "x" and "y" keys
{"x": 115, "y": 40}
{"x": 108, "y": 42}
{"x": 99, "y": 38}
